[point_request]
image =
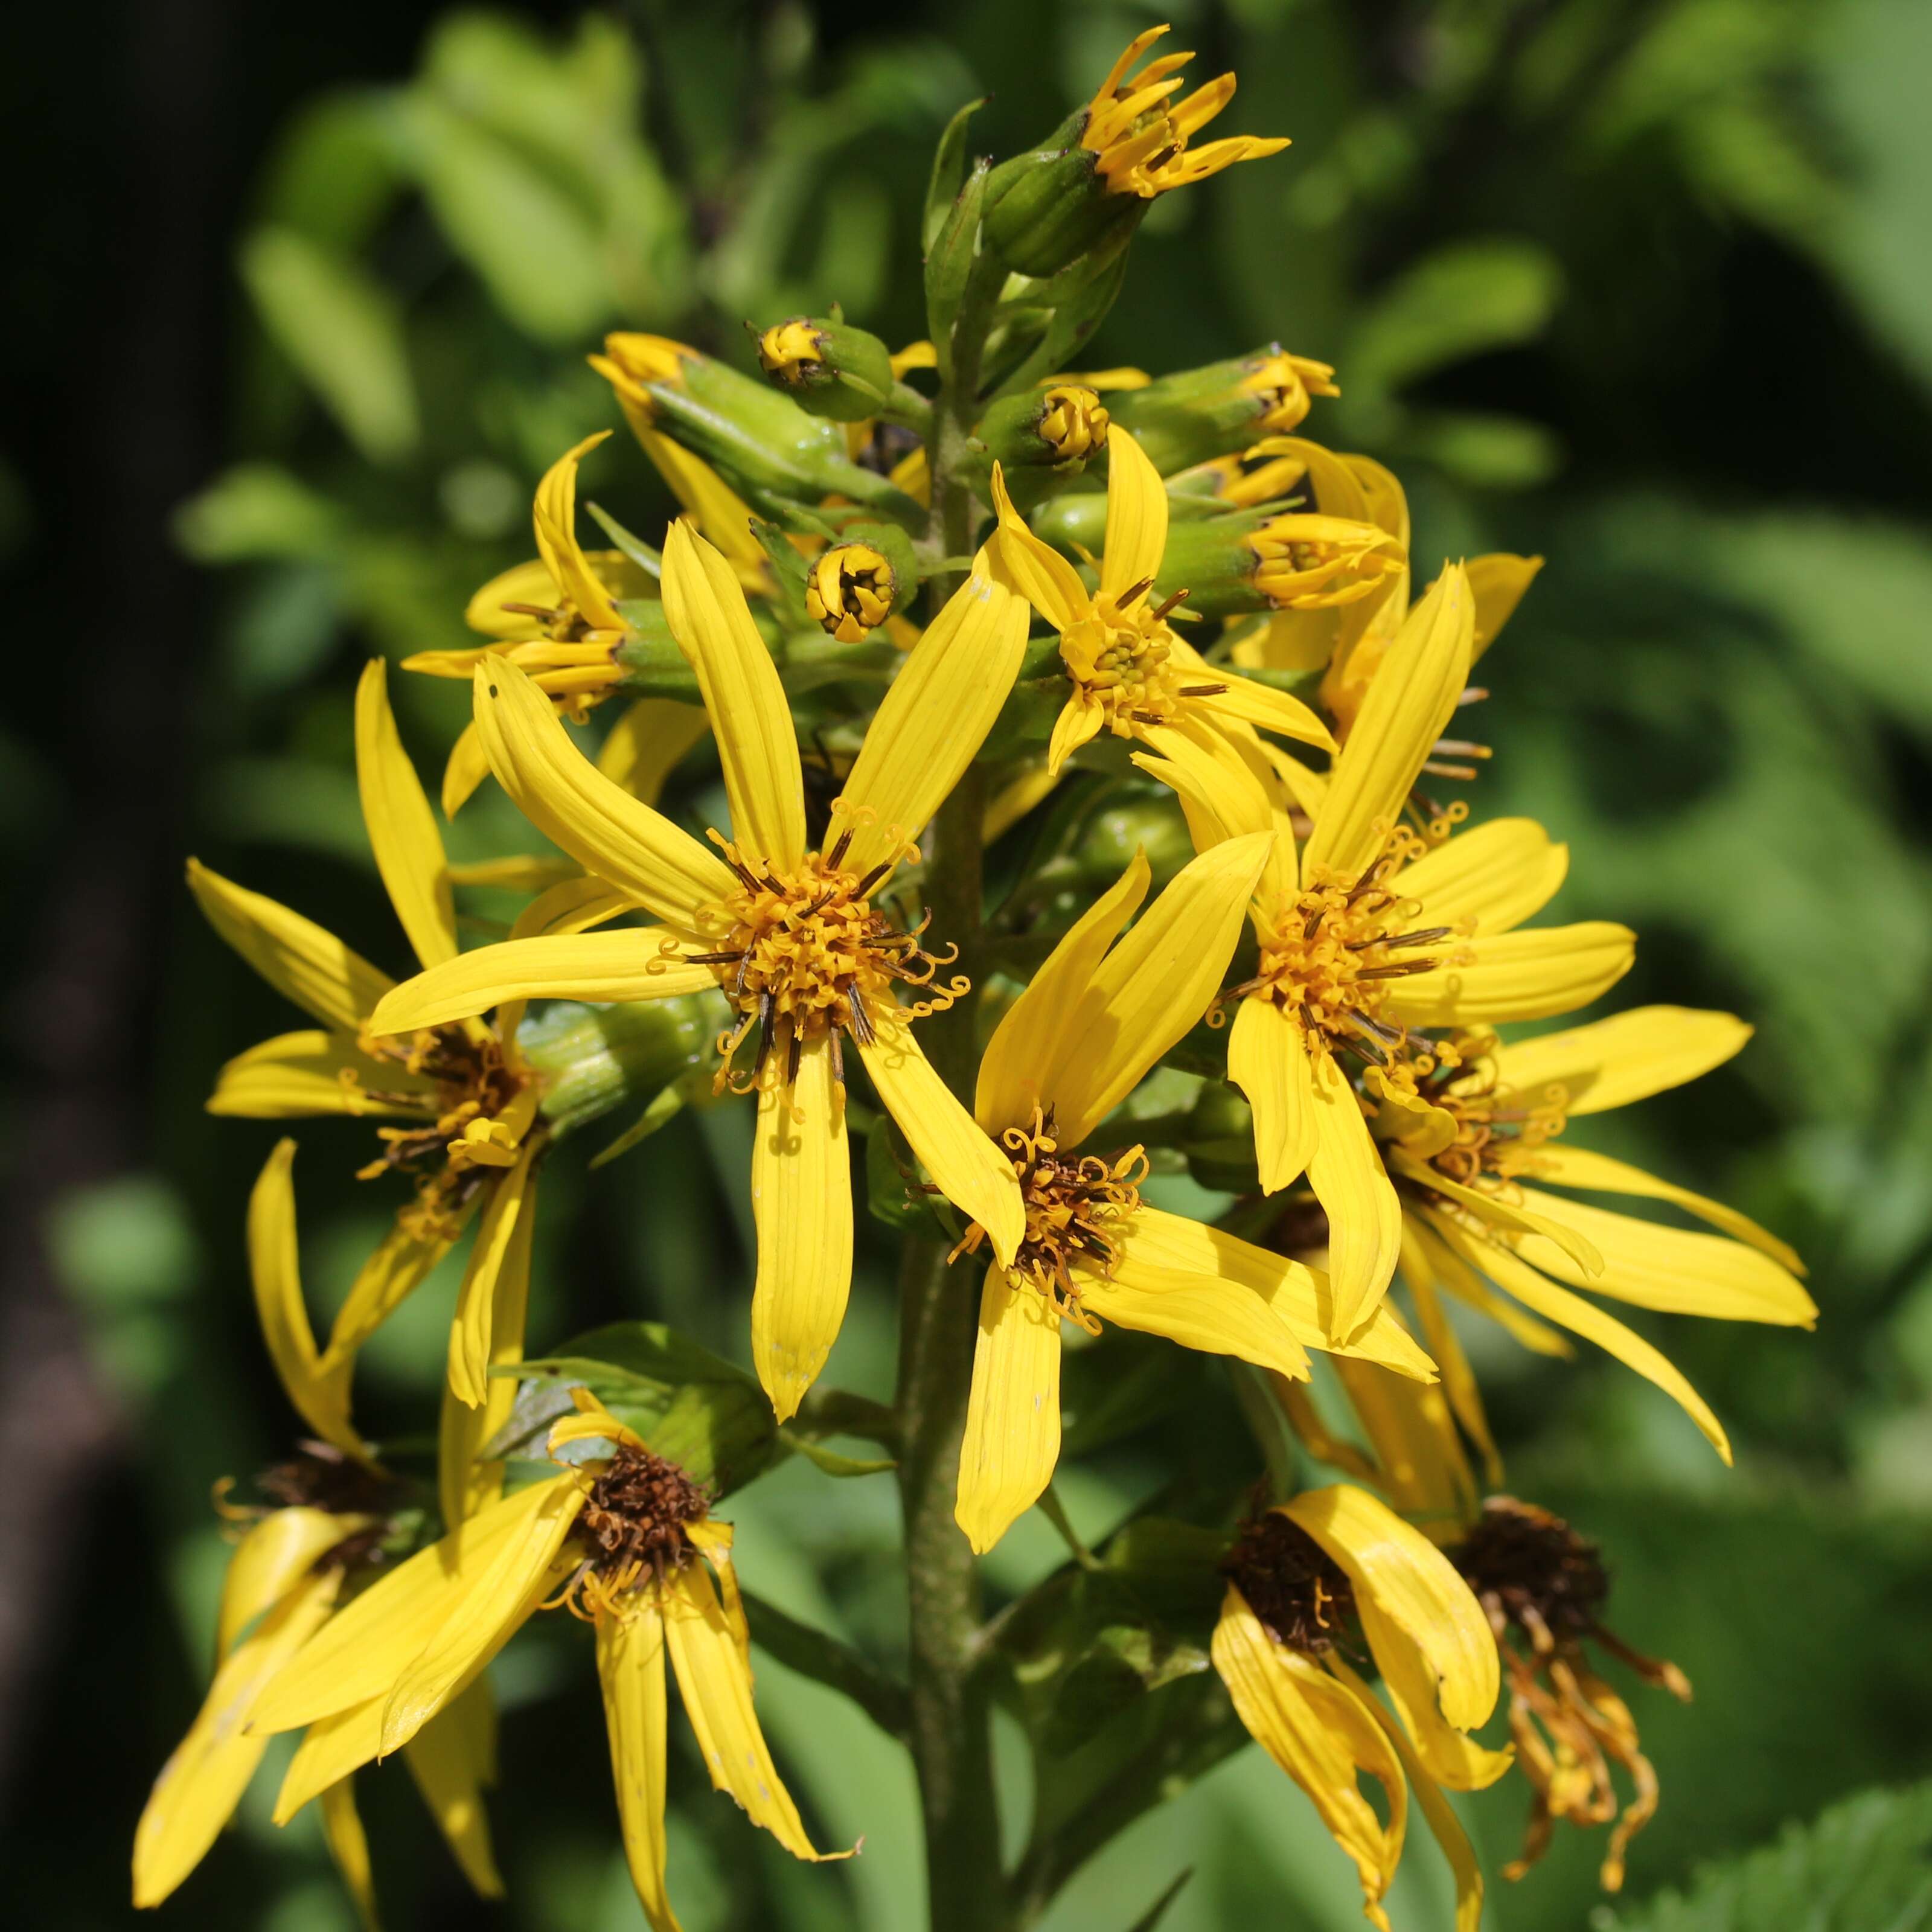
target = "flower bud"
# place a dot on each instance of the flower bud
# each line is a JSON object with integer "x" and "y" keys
{"x": 1259, "y": 560}
{"x": 1060, "y": 429}
{"x": 852, "y": 588}
{"x": 1187, "y": 418}
{"x": 592, "y": 1060}
{"x": 828, "y": 368}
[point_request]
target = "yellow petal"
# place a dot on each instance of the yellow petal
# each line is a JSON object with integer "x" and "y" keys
{"x": 1079, "y": 724}
{"x": 647, "y": 741}
{"x": 1579, "y": 1167}
{"x": 1199, "y": 1311}
{"x": 201, "y": 1784}
{"x": 1456, "y": 1278}
{"x": 1410, "y": 699}
{"x": 570, "y": 906}
{"x": 1222, "y": 797}
{"x": 631, "y": 964}
{"x": 749, "y": 713}
{"x": 464, "y": 1485}
{"x": 527, "y": 583}
{"x": 714, "y": 1678}
{"x": 599, "y": 824}
{"x": 1628, "y": 1057}
{"x": 1154, "y": 985}
{"x": 1019, "y": 1069}
{"x": 1505, "y": 1209}
{"x": 1136, "y": 516}
{"x": 965, "y": 1164}
{"x": 722, "y": 515}
{"x": 802, "y": 1198}
{"x": 1459, "y": 1379}
{"x": 933, "y": 719}
{"x": 331, "y": 1749}
{"x": 1498, "y": 875}
{"x": 520, "y": 872}
{"x": 556, "y": 521}
{"x": 362, "y": 1653}
{"x": 1419, "y": 1464}
{"x": 1268, "y": 1059}
{"x": 1398, "y": 1571}
{"x": 1364, "y": 1217}
{"x": 501, "y": 1247}
{"x": 592, "y": 1423}
{"x": 303, "y": 963}
{"x": 1266, "y": 708}
{"x": 274, "y": 1556}
{"x": 297, "y": 1075}
{"x": 1535, "y": 1292}
{"x": 349, "y": 1846}
{"x": 1319, "y": 1733}
{"x": 443, "y": 1759}
{"x": 1451, "y": 1757}
{"x": 402, "y": 829}
{"x": 630, "y": 1668}
{"x": 401, "y": 1265}
{"x": 319, "y": 1395}
{"x": 1014, "y": 800}
{"x": 468, "y": 764}
{"x": 1012, "y": 1415}
{"x": 1416, "y": 1125}
{"x": 1035, "y": 569}
{"x": 1299, "y": 1295}
{"x": 1518, "y": 976}
{"x": 1498, "y": 582}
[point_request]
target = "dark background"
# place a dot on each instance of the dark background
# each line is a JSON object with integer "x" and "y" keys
{"x": 1646, "y": 287}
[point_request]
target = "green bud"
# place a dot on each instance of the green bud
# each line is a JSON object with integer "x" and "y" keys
{"x": 1044, "y": 436}
{"x": 829, "y": 369}
{"x": 1282, "y": 560}
{"x": 1047, "y": 208}
{"x": 1187, "y": 418}
{"x": 852, "y": 587}
{"x": 593, "y": 1059}
{"x": 1075, "y": 520}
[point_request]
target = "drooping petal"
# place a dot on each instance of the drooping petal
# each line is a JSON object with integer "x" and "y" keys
{"x": 1364, "y": 1216}
{"x": 1270, "y": 1060}
{"x": 503, "y": 1246}
{"x": 402, "y": 829}
{"x": 1202, "y": 1311}
{"x": 714, "y": 1678}
{"x": 1628, "y": 1057}
{"x": 1498, "y": 582}
{"x": 646, "y": 743}
{"x": 467, "y": 766}
{"x": 1155, "y": 984}
{"x": 463, "y": 1484}
{"x": 750, "y": 716}
{"x": 1451, "y": 1756}
{"x": 630, "y": 1668}
{"x": 518, "y": 872}
{"x": 1012, "y": 1415}
{"x": 331, "y": 1749}
{"x": 1019, "y": 1069}
{"x": 403, "y": 1261}
{"x": 319, "y": 1395}
{"x": 1410, "y": 699}
{"x": 529, "y": 582}
{"x": 1498, "y": 875}
{"x": 201, "y": 1784}
{"x": 1505, "y": 1209}
{"x": 1034, "y": 567}
{"x": 1222, "y": 797}
{"x": 1518, "y": 976}
{"x": 1456, "y": 1278}
{"x": 1438, "y": 1333}
{"x": 802, "y": 1198}
{"x": 271, "y": 1560}
{"x": 349, "y": 1846}
{"x": 1079, "y": 724}
{"x": 1267, "y": 709}
{"x": 450, "y": 1772}
{"x": 599, "y": 824}
{"x": 933, "y": 718}
{"x": 303, "y": 963}
{"x": 1136, "y": 516}
{"x": 296, "y": 1075}
{"x": 965, "y": 1163}
{"x": 555, "y": 517}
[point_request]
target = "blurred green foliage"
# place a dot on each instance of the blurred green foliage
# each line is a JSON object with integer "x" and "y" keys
{"x": 1643, "y": 285}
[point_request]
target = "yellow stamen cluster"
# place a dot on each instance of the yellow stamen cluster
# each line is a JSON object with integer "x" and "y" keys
{"x": 789, "y": 351}
{"x": 850, "y": 591}
{"x": 805, "y": 956}
{"x": 1076, "y": 1211}
{"x": 1304, "y": 561}
{"x": 1118, "y": 657}
{"x": 1286, "y": 385}
{"x": 1073, "y": 422}
{"x": 1498, "y": 1129}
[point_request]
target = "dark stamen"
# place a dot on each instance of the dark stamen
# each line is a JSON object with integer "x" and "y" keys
{"x": 863, "y": 889}
{"x": 1161, "y": 612}
{"x": 767, "y": 1023}
{"x": 862, "y": 1021}
{"x": 793, "y": 1053}
{"x": 837, "y": 852}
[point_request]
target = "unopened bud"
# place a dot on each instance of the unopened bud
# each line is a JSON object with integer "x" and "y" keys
{"x": 1255, "y": 560}
{"x": 852, "y": 588}
{"x": 1041, "y": 438}
{"x": 1198, "y": 414}
{"x": 829, "y": 369}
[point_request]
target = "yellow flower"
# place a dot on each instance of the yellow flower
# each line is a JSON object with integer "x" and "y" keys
{"x": 468, "y": 1138}
{"x": 1131, "y": 674}
{"x": 849, "y": 590}
{"x": 626, "y": 1541}
{"x": 1139, "y": 142}
{"x": 794, "y": 938}
{"x": 1471, "y": 1142}
{"x": 290, "y": 1571}
{"x": 1297, "y": 1577}
{"x": 1072, "y": 422}
{"x": 1070, "y": 1049}
{"x": 1376, "y": 933}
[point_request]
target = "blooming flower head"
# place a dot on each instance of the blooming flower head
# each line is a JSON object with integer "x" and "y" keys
{"x": 1131, "y": 673}
{"x": 626, "y": 1541}
{"x": 800, "y": 941}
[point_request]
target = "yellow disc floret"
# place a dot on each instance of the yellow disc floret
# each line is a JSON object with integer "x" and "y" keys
{"x": 1072, "y": 422}
{"x": 1120, "y": 657}
{"x": 790, "y": 352}
{"x": 850, "y": 591}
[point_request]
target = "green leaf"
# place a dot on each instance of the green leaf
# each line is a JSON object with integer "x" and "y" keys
{"x": 341, "y": 330}
{"x": 830, "y": 1462}
{"x": 949, "y": 173}
{"x": 1863, "y": 1866}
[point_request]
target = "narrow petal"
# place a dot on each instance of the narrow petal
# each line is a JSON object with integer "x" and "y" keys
{"x": 1018, "y": 1071}
{"x": 401, "y": 1265}
{"x": 1267, "y": 709}
{"x": 630, "y": 1668}
{"x": 646, "y": 743}
{"x": 1438, "y": 1333}
{"x": 520, "y": 872}
{"x": 1628, "y": 1057}
{"x": 601, "y": 826}
{"x": 722, "y": 515}
{"x": 1220, "y": 792}
{"x": 467, "y": 766}
{"x": 1498, "y": 875}
{"x": 1035, "y": 569}
{"x": 1536, "y": 1292}
{"x": 1155, "y": 984}
{"x": 1364, "y": 1216}
{"x": 802, "y": 1198}
{"x": 502, "y": 1243}
{"x": 443, "y": 1761}
{"x": 319, "y": 1396}
{"x": 965, "y": 1163}
{"x": 1136, "y": 516}
{"x": 349, "y": 1846}
{"x": 1079, "y": 724}
{"x": 933, "y": 718}
{"x": 1269, "y": 1059}
{"x": 527, "y": 583}
{"x": 1498, "y": 582}
{"x": 1519, "y": 976}
{"x": 555, "y": 518}
{"x": 303, "y": 963}
{"x": 1012, "y": 1415}
{"x": 464, "y": 1485}
{"x": 402, "y": 829}
{"x": 1410, "y": 699}
{"x": 749, "y": 713}
{"x": 1199, "y": 1311}
{"x": 629, "y": 964}
{"x": 332, "y": 1748}
{"x": 1506, "y": 1209}
{"x": 1419, "y": 1464}
{"x": 201, "y": 1784}
{"x": 271, "y": 1560}
{"x": 1451, "y": 1755}
{"x": 296, "y": 1075}
{"x": 1456, "y": 1278}
{"x": 714, "y": 1678}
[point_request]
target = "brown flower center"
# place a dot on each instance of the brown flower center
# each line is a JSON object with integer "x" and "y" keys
{"x": 1297, "y": 1589}
{"x": 635, "y": 1519}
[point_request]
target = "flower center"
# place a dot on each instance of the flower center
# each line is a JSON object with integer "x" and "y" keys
{"x": 633, "y": 1523}
{"x": 1497, "y": 1130}
{"x": 806, "y": 957}
{"x": 1073, "y": 422}
{"x": 1118, "y": 658}
{"x": 1298, "y": 1590}
{"x": 318, "y": 1476}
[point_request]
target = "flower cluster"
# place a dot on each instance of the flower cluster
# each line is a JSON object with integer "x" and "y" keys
{"x": 914, "y": 600}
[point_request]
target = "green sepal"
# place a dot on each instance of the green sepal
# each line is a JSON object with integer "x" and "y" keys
{"x": 950, "y": 259}
{"x": 852, "y": 380}
{"x": 948, "y": 173}
{"x": 1047, "y": 208}
{"x": 667, "y": 1105}
{"x": 1212, "y": 559}
{"x": 830, "y": 1463}
{"x": 1184, "y": 418}
{"x": 650, "y": 561}
{"x": 593, "y": 1060}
